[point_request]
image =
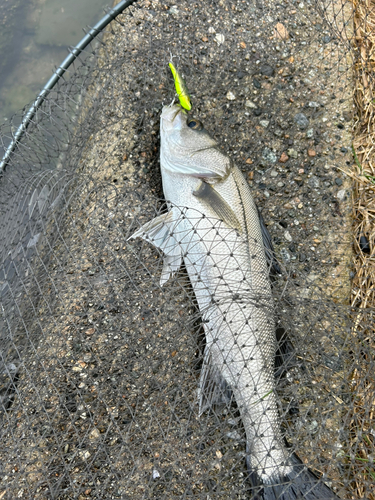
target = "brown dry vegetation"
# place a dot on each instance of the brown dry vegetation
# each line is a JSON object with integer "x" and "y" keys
{"x": 364, "y": 148}
{"x": 362, "y": 446}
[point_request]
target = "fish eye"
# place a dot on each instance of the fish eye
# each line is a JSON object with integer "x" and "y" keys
{"x": 195, "y": 124}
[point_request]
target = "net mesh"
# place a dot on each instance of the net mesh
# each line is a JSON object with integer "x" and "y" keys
{"x": 100, "y": 365}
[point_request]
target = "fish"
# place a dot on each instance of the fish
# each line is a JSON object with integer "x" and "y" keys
{"x": 212, "y": 226}
{"x": 181, "y": 88}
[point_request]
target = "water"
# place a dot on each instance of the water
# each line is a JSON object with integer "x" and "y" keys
{"x": 34, "y": 38}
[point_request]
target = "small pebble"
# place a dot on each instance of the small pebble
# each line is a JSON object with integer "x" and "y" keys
{"x": 250, "y": 104}
{"x": 173, "y": 9}
{"x": 313, "y": 427}
{"x": 274, "y": 173}
{"x": 301, "y": 120}
{"x": 311, "y": 153}
{"x": 288, "y": 236}
{"x": 211, "y": 30}
{"x": 281, "y": 31}
{"x": 313, "y": 104}
{"x": 155, "y": 474}
{"x": 285, "y": 255}
{"x": 341, "y": 194}
{"x": 292, "y": 153}
{"x": 230, "y": 96}
{"x": 280, "y": 184}
{"x": 268, "y": 156}
{"x": 314, "y": 182}
{"x": 310, "y": 133}
{"x": 283, "y": 158}
{"x": 364, "y": 244}
{"x": 257, "y": 83}
{"x": 94, "y": 434}
{"x": 338, "y": 181}
{"x": 219, "y": 38}
{"x": 267, "y": 70}
{"x": 234, "y": 435}
{"x": 302, "y": 257}
{"x": 264, "y": 123}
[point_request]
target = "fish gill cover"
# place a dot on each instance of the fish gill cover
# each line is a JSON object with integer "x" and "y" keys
{"x": 100, "y": 365}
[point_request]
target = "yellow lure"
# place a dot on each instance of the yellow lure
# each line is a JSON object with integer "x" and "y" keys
{"x": 181, "y": 88}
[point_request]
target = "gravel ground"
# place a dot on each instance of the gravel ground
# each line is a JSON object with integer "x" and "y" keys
{"x": 104, "y": 400}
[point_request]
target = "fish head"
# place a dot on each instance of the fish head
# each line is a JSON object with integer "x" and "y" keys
{"x": 188, "y": 149}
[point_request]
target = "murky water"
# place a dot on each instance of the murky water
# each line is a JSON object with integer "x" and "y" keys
{"x": 34, "y": 38}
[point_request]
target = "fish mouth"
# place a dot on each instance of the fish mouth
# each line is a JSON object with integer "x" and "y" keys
{"x": 173, "y": 117}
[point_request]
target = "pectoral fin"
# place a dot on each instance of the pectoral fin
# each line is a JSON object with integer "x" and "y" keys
{"x": 212, "y": 199}
{"x": 213, "y": 388}
{"x": 159, "y": 232}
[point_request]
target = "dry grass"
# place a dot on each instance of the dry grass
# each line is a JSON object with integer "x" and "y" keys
{"x": 364, "y": 154}
{"x": 362, "y": 445}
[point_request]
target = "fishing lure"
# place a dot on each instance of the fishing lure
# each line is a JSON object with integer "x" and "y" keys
{"x": 181, "y": 88}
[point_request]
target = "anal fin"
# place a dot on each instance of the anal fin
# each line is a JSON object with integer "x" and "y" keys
{"x": 213, "y": 388}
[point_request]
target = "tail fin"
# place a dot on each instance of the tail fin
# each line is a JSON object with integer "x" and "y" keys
{"x": 300, "y": 484}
